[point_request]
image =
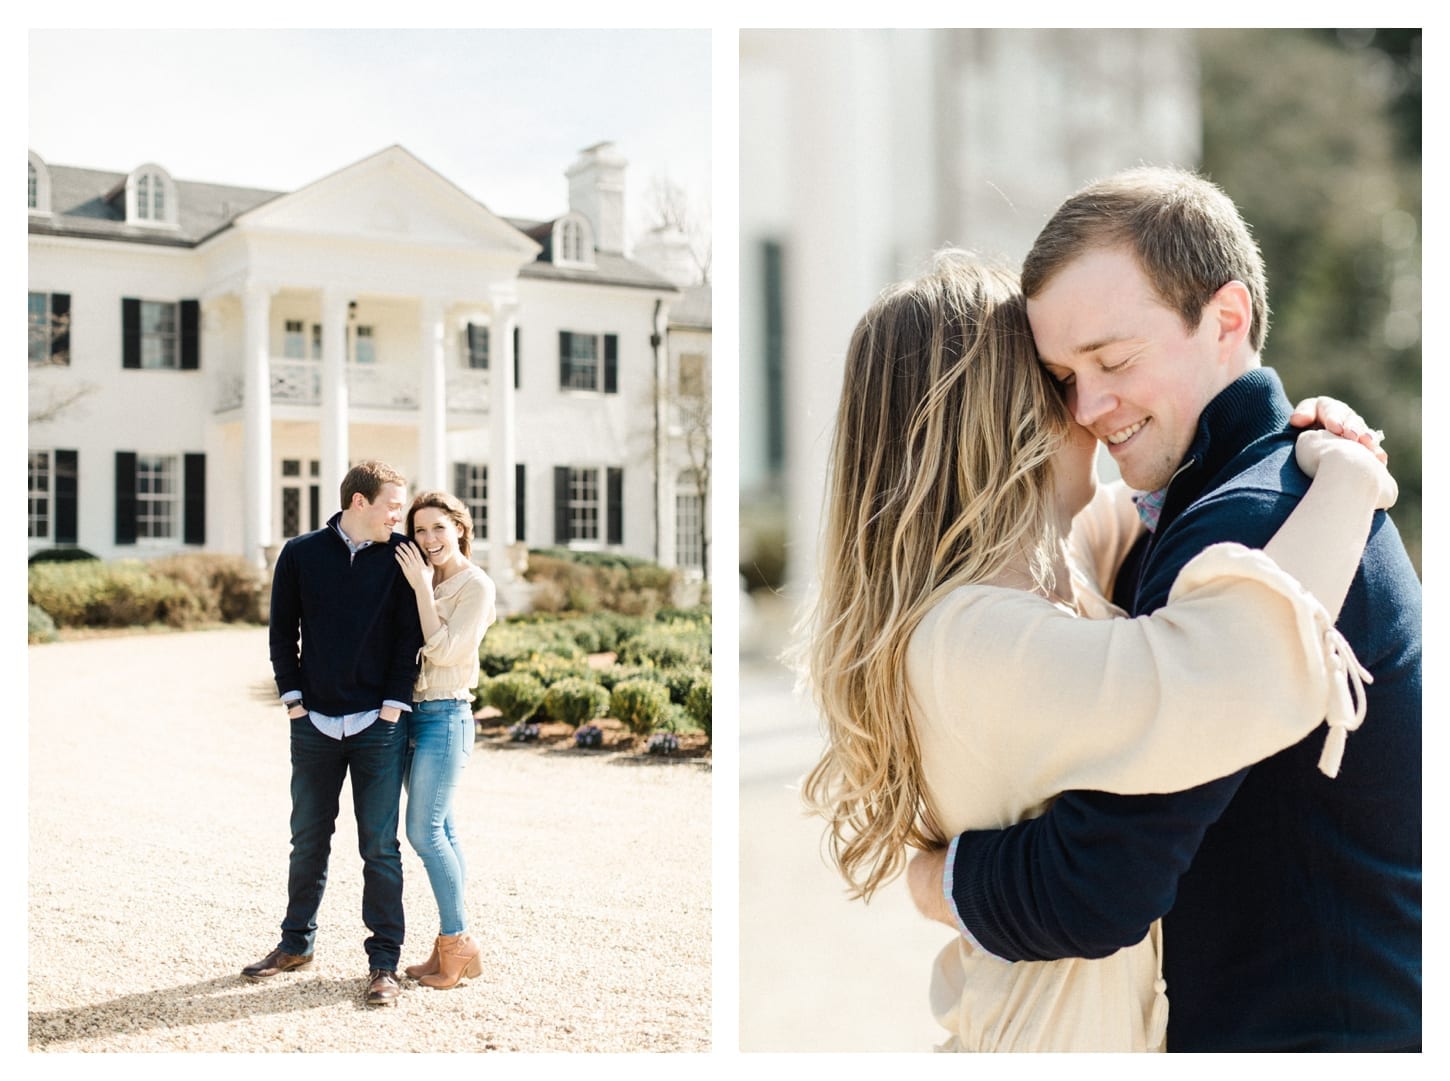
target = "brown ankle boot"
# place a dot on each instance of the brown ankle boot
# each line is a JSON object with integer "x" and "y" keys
{"x": 428, "y": 967}
{"x": 458, "y": 956}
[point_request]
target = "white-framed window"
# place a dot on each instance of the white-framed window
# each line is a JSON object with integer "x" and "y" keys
{"x": 477, "y": 345}
{"x": 584, "y": 504}
{"x": 48, "y": 318}
{"x": 692, "y": 375}
{"x": 38, "y": 189}
{"x": 150, "y": 196}
{"x": 573, "y": 241}
{"x": 294, "y": 340}
{"x": 158, "y": 496}
{"x": 363, "y": 346}
{"x": 159, "y": 335}
{"x": 470, "y": 485}
{"x": 588, "y": 362}
{"x": 40, "y": 495}
{"x": 300, "y": 499}
{"x": 689, "y": 522}
{"x": 579, "y": 362}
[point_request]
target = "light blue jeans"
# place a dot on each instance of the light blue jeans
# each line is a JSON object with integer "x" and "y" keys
{"x": 440, "y": 741}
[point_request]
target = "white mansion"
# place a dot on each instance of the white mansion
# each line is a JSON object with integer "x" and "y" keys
{"x": 206, "y": 361}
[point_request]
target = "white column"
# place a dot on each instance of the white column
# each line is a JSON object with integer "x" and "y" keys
{"x": 432, "y": 418}
{"x": 664, "y": 475}
{"x": 256, "y": 424}
{"x": 332, "y": 451}
{"x": 503, "y": 448}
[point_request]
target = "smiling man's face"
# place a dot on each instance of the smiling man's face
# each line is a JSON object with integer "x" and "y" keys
{"x": 1133, "y": 374}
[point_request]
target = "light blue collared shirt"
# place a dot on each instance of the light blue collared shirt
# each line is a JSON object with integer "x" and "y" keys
{"x": 349, "y": 724}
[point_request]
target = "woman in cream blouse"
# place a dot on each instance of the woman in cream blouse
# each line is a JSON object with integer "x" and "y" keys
{"x": 455, "y": 607}
{"x": 965, "y": 537}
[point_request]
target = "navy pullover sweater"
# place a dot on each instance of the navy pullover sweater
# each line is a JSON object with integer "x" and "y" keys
{"x": 1291, "y": 902}
{"x": 357, "y": 620}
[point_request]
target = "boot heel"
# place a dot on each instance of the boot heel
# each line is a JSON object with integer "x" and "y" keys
{"x": 475, "y": 967}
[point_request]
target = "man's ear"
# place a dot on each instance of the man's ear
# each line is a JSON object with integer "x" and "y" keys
{"x": 1233, "y": 311}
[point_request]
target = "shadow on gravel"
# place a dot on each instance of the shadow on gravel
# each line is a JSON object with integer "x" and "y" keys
{"x": 226, "y": 998}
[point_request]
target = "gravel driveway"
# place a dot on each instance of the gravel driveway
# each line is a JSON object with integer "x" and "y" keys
{"x": 157, "y": 869}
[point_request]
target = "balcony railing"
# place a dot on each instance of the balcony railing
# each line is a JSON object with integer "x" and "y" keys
{"x": 369, "y": 386}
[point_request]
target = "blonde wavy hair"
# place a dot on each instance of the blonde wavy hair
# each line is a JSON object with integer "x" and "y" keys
{"x": 940, "y": 474}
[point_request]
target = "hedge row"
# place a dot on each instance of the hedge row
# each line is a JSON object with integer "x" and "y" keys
{"x": 537, "y": 667}
{"x": 179, "y": 591}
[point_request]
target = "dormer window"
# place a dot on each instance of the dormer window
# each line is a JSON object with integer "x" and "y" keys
{"x": 150, "y": 197}
{"x": 38, "y": 189}
{"x": 573, "y": 241}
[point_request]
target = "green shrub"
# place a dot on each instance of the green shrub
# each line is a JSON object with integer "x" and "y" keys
{"x": 595, "y": 581}
{"x": 680, "y": 644}
{"x": 680, "y": 680}
{"x": 61, "y": 555}
{"x": 677, "y": 719}
{"x": 121, "y": 594}
{"x": 225, "y": 587}
{"x": 517, "y": 697}
{"x": 549, "y": 668}
{"x": 512, "y": 643}
{"x": 615, "y": 674}
{"x": 576, "y": 701}
{"x": 42, "y": 627}
{"x": 698, "y": 702}
{"x": 640, "y": 705}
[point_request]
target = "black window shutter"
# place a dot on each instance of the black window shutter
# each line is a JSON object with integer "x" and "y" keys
{"x": 517, "y": 369}
{"x": 561, "y": 504}
{"x": 190, "y": 336}
{"x": 314, "y": 498}
{"x": 66, "y": 472}
{"x": 519, "y": 503}
{"x": 460, "y": 479}
{"x": 563, "y": 358}
{"x": 125, "y": 497}
{"x": 194, "y": 493}
{"x": 611, "y": 364}
{"x": 130, "y": 334}
{"x": 615, "y": 504}
{"x": 60, "y": 328}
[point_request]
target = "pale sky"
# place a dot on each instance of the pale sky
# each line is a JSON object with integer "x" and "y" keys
{"x": 501, "y": 113}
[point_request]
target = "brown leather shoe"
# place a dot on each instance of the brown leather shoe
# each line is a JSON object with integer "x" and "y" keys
{"x": 383, "y": 988}
{"x": 275, "y": 962}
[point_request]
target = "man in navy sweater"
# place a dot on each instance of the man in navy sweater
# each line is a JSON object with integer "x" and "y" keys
{"x": 1290, "y": 901}
{"x": 339, "y": 595}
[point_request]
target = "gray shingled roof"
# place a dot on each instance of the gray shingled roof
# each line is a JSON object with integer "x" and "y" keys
{"x": 692, "y": 309}
{"x": 79, "y": 207}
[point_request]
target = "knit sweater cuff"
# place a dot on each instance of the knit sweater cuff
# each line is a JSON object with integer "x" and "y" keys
{"x": 966, "y": 899}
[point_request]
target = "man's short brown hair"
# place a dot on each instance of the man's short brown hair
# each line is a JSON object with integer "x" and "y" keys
{"x": 1186, "y": 234}
{"x": 367, "y": 479}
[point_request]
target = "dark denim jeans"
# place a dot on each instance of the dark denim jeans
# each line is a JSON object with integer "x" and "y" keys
{"x": 374, "y": 757}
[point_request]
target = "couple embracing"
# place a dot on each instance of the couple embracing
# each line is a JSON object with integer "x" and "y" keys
{"x": 374, "y": 644}
{"x": 1117, "y": 720}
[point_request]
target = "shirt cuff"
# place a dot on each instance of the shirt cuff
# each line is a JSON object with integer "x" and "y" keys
{"x": 406, "y": 707}
{"x": 292, "y": 696}
{"x": 947, "y": 877}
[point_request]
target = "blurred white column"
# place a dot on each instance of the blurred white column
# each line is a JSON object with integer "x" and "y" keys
{"x": 332, "y": 451}
{"x": 432, "y": 417}
{"x": 256, "y": 423}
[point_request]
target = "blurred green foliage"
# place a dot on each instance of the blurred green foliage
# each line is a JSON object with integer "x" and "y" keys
{"x": 1315, "y": 134}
